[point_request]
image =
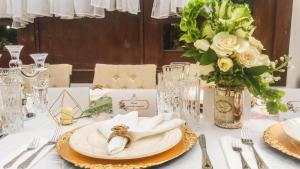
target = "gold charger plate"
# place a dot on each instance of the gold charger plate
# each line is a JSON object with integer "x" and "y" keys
{"x": 276, "y": 138}
{"x": 65, "y": 151}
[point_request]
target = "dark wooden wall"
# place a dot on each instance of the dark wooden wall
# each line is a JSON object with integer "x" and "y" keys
{"x": 122, "y": 38}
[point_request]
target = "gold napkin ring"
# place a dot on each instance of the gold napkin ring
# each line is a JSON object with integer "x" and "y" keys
{"x": 122, "y": 131}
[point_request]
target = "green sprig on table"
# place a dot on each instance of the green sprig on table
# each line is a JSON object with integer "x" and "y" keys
{"x": 103, "y": 104}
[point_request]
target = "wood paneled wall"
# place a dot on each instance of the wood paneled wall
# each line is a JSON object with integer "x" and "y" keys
{"x": 122, "y": 38}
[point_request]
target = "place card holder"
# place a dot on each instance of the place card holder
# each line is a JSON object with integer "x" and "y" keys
{"x": 127, "y": 100}
{"x": 65, "y": 109}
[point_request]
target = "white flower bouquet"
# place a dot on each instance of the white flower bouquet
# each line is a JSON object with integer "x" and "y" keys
{"x": 224, "y": 40}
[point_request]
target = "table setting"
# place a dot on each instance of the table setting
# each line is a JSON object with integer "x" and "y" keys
{"x": 226, "y": 116}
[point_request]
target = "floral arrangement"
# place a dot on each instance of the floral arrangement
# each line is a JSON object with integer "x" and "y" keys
{"x": 224, "y": 40}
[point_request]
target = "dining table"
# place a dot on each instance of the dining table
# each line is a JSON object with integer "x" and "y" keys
{"x": 43, "y": 125}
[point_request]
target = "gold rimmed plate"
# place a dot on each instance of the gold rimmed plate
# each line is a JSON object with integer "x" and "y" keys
{"x": 278, "y": 139}
{"x": 90, "y": 142}
{"x": 67, "y": 153}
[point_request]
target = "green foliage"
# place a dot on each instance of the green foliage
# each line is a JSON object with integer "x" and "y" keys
{"x": 256, "y": 70}
{"x": 227, "y": 16}
{"x": 3, "y": 42}
{"x": 219, "y": 15}
{"x": 204, "y": 58}
{"x": 103, "y": 104}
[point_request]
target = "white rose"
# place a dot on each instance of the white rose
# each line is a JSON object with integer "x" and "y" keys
{"x": 225, "y": 64}
{"x": 256, "y": 43}
{"x": 225, "y": 44}
{"x": 202, "y": 44}
{"x": 204, "y": 69}
{"x": 263, "y": 60}
{"x": 249, "y": 57}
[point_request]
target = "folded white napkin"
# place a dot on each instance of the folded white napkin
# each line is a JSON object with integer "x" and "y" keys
{"x": 233, "y": 158}
{"x": 98, "y": 93}
{"x": 28, "y": 154}
{"x": 138, "y": 128}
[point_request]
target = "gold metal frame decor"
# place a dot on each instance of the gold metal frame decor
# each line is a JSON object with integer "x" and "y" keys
{"x": 66, "y": 152}
{"x": 55, "y": 109}
{"x": 276, "y": 138}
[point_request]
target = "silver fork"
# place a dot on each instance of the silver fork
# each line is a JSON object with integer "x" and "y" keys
{"x": 248, "y": 141}
{"x": 206, "y": 164}
{"x": 33, "y": 145}
{"x": 28, "y": 161}
{"x": 237, "y": 147}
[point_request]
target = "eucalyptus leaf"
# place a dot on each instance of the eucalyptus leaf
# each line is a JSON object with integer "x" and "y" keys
{"x": 256, "y": 70}
{"x": 207, "y": 57}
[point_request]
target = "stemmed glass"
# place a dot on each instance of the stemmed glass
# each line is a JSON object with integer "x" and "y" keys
{"x": 40, "y": 83}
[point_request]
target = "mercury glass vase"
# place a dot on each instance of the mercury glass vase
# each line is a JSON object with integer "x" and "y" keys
{"x": 228, "y": 107}
{"x": 10, "y": 100}
{"x": 15, "y": 51}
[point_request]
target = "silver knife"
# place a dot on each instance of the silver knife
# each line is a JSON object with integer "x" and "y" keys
{"x": 206, "y": 164}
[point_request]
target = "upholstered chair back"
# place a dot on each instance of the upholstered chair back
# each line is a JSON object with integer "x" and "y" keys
{"x": 125, "y": 76}
{"x": 60, "y": 75}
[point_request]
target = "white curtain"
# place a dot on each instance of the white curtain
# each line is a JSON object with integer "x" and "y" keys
{"x": 165, "y": 8}
{"x": 24, "y": 11}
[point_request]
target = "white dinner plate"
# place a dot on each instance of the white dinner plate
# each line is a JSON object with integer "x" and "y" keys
{"x": 292, "y": 128}
{"x": 90, "y": 142}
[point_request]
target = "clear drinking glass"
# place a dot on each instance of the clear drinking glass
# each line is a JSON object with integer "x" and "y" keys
{"x": 10, "y": 100}
{"x": 191, "y": 104}
{"x": 163, "y": 101}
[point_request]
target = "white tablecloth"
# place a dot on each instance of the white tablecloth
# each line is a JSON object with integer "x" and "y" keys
{"x": 44, "y": 126}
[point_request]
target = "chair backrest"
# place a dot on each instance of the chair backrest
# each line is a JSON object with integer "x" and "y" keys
{"x": 125, "y": 76}
{"x": 60, "y": 75}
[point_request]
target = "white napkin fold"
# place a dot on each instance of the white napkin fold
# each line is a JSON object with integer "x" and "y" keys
{"x": 28, "y": 154}
{"x": 233, "y": 158}
{"x": 138, "y": 128}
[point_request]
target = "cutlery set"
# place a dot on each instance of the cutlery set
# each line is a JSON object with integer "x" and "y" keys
{"x": 246, "y": 140}
{"x": 32, "y": 146}
{"x": 237, "y": 147}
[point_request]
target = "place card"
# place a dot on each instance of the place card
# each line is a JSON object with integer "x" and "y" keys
{"x": 141, "y": 100}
